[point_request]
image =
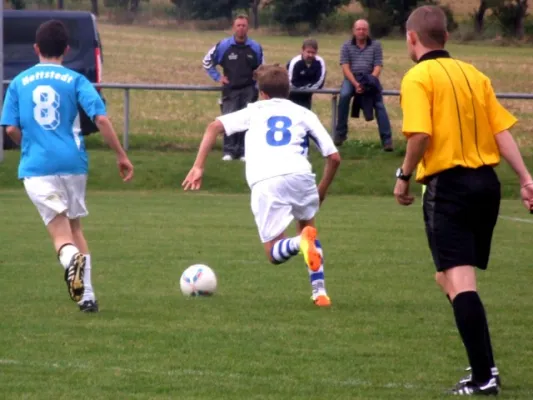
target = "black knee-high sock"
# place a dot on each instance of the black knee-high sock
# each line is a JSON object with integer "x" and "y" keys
{"x": 487, "y": 338}
{"x": 471, "y": 323}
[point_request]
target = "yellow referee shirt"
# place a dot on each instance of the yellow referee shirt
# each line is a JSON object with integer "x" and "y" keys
{"x": 455, "y": 104}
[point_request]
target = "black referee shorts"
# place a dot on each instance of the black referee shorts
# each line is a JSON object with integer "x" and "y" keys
{"x": 461, "y": 206}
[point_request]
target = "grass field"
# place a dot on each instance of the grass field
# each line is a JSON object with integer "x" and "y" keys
{"x": 389, "y": 335}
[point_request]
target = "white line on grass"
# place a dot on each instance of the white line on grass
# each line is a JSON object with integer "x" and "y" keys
{"x": 195, "y": 372}
{"x": 516, "y": 219}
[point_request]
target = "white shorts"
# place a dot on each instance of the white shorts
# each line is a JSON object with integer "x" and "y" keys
{"x": 58, "y": 194}
{"x": 277, "y": 201}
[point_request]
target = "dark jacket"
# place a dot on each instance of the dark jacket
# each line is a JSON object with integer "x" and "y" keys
{"x": 238, "y": 60}
{"x": 366, "y": 101}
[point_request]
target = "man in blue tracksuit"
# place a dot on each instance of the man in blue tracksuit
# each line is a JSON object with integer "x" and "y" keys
{"x": 239, "y": 56}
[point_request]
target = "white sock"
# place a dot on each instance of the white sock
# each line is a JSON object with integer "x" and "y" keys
{"x": 66, "y": 253}
{"x": 88, "y": 293}
{"x": 318, "y": 284}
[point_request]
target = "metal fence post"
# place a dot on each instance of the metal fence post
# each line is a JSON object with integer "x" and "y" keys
{"x": 125, "y": 135}
{"x": 333, "y": 114}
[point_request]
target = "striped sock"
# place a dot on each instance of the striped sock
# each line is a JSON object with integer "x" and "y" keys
{"x": 284, "y": 249}
{"x": 317, "y": 277}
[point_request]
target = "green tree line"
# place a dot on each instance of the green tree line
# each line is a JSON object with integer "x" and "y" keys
{"x": 384, "y": 15}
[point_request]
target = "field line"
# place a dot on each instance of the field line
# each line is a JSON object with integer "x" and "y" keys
{"x": 200, "y": 373}
{"x": 516, "y": 219}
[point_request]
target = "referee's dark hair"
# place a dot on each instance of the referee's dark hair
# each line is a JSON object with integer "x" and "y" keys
{"x": 52, "y": 39}
{"x": 430, "y": 24}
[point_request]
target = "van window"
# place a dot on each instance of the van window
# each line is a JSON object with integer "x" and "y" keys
{"x": 19, "y": 37}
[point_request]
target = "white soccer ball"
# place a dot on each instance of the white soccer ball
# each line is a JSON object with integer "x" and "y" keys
{"x": 198, "y": 280}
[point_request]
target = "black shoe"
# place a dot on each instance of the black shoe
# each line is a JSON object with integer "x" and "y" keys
{"x": 89, "y": 306}
{"x": 74, "y": 277}
{"x": 489, "y": 388}
{"x": 388, "y": 148}
{"x": 495, "y": 375}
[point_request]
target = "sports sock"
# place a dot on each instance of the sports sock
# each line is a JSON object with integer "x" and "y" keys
{"x": 471, "y": 323}
{"x": 65, "y": 254}
{"x": 88, "y": 293}
{"x": 284, "y": 249}
{"x": 488, "y": 344}
{"x": 317, "y": 277}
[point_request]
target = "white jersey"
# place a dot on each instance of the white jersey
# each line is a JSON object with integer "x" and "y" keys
{"x": 278, "y": 136}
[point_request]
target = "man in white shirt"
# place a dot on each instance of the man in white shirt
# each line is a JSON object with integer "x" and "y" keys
{"x": 278, "y": 173}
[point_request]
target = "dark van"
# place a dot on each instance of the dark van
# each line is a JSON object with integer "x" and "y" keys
{"x": 85, "y": 55}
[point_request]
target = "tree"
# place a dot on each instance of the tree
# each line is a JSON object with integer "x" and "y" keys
{"x": 479, "y": 16}
{"x": 511, "y": 15}
{"x": 209, "y": 9}
{"x": 289, "y": 13}
{"x": 18, "y": 4}
{"x": 94, "y": 7}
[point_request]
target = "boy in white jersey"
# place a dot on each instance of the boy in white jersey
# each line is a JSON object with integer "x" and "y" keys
{"x": 278, "y": 172}
{"x": 41, "y": 113}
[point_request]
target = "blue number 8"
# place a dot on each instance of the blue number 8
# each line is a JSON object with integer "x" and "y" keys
{"x": 286, "y": 123}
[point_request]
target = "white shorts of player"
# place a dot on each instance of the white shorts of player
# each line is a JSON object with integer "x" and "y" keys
{"x": 277, "y": 201}
{"x": 58, "y": 194}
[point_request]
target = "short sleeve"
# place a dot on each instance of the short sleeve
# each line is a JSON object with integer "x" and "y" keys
{"x": 10, "y": 111}
{"x": 238, "y": 121}
{"x": 378, "y": 55}
{"x": 345, "y": 54}
{"x": 89, "y": 99}
{"x": 416, "y": 107}
{"x": 319, "y": 135}
{"x": 499, "y": 118}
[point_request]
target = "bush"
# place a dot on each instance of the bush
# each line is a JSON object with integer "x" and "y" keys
{"x": 381, "y": 22}
{"x": 340, "y": 21}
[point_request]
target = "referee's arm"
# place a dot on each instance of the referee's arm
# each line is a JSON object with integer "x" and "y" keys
{"x": 500, "y": 122}
{"x": 417, "y": 125}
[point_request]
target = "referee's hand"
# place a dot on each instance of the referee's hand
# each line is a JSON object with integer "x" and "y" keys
{"x": 527, "y": 195}
{"x": 401, "y": 192}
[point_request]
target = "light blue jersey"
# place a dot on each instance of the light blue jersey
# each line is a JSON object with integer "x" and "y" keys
{"x": 43, "y": 102}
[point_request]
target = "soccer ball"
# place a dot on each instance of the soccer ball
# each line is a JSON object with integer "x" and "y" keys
{"x": 198, "y": 280}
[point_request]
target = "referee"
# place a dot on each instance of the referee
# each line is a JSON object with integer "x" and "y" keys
{"x": 456, "y": 133}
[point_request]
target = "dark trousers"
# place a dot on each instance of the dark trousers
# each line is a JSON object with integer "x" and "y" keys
{"x": 302, "y": 99}
{"x": 235, "y": 100}
{"x": 346, "y": 94}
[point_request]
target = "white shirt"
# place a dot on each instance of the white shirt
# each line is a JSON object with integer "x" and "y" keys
{"x": 278, "y": 137}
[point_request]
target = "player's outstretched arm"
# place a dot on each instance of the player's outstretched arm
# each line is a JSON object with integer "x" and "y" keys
{"x": 330, "y": 169}
{"x": 106, "y": 129}
{"x": 511, "y": 153}
{"x": 193, "y": 180}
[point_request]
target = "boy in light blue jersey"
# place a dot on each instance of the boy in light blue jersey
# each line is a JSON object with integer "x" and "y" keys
{"x": 41, "y": 113}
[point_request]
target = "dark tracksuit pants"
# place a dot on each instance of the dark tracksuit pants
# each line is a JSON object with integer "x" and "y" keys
{"x": 235, "y": 100}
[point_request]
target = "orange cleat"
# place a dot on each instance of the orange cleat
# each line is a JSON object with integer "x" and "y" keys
{"x": 322, "y": 301}
{"x": 312, "y": 257}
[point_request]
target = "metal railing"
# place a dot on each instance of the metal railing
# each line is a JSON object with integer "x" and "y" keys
{"x": 128, "y": 87}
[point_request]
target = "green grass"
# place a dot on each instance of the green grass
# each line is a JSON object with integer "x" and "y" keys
{"x": 389, "y": 335}
{"x": 365, "y": 170}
